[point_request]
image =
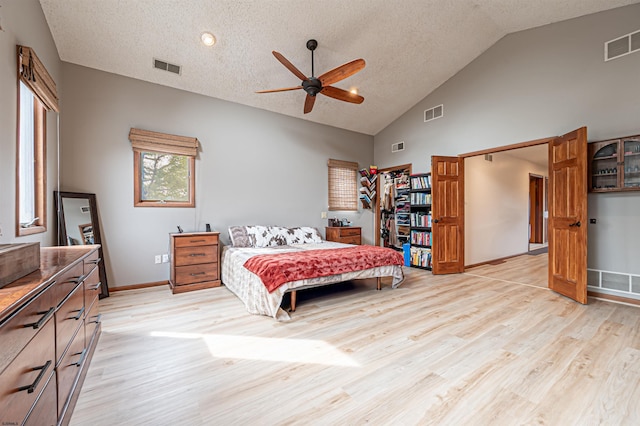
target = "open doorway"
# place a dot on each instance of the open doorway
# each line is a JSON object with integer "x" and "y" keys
{"x": 498, "y": 203}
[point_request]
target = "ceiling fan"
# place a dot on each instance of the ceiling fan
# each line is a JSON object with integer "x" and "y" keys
{"x": 322, "y": 84}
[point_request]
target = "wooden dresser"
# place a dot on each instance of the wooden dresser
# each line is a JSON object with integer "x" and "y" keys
{"x": 344, "y": 234}
{"x": 49, "y": 328}
{"x": 194, "y": 261}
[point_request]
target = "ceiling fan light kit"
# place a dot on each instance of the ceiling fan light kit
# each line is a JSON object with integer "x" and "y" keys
{"x": 322, "y": 84}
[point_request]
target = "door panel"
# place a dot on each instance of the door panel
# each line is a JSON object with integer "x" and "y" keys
{"x": 447, "y": 175}
{"x": 568, "y": 215}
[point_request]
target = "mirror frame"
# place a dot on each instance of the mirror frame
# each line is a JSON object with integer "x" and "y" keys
{"x": 97, "y": 239}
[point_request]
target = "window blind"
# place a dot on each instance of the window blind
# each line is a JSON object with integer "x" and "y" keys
{"x": 145, "y": 140}
{"x": 33, "y": 73}
{"x": 343, "y": 191}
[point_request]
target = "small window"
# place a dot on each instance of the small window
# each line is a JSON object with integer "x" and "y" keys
{"x": 31, "y": 164}
{"x": 343, "y": 190}
{"x": 164, "y": 169}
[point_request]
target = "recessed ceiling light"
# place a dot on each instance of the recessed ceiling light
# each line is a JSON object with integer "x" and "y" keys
{"x": 208, "y": 39}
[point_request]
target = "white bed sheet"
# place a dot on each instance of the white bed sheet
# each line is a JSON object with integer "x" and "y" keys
{"x": 250, "y": 289}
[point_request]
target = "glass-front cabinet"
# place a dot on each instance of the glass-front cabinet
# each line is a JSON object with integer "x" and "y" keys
{"x": 614, "y": 165}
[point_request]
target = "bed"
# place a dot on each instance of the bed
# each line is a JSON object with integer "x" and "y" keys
{"x": 259, "y": 247}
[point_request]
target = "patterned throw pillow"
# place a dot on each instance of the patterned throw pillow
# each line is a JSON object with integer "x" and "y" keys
{"x": 239, "y": 236}
{"x": 303, "y": 235}
{"x": 265, "y": 236}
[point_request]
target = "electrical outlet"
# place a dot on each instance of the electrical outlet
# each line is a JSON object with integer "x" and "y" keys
{"x": 158, "y": 258}
{"x": 323, "y": 215}
{"x": 165, "y": 258}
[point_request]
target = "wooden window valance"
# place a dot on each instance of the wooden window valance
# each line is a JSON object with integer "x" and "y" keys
{"x": 343, "y": 191}
{"x": 34, "y": 74}
{"x": 145, "y": 140}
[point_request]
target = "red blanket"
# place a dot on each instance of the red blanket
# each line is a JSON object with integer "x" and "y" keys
{"x": 277, "y": 269}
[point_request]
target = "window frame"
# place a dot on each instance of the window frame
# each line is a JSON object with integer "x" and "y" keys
{"x": 39, "y": 188}
{"x": 137, "y": 186}
{"x": 162, "y": 143}
{"x": 347, "y": 205}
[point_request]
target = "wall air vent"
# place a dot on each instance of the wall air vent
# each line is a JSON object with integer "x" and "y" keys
{"x": 433, "y": 113}
{"x": 166, "y": 66}
{"x": 488, "y": 157}
{"x": 398, "y": 146}
{"x": 622, "y": 46}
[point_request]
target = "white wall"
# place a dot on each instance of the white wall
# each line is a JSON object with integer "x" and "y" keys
{"x": 533, "y": 84}
{"x": 497, "y": 206}
{"x": 23, "y": 23}
{"x": 255, "y": 167}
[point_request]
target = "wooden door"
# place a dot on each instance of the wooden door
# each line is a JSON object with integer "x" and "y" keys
{"x": 536, "y": 201}
{"x": 447, "y": 183}
{"x": 568, "y": 215}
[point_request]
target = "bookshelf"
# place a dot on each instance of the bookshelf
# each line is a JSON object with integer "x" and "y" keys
{"x": 367, "y": 188}
{"x": 420, "y": 220}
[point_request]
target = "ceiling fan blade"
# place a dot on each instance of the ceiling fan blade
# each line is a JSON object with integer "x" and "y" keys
{"x": 280, "y": 90}
{"x": 342, "y": 95}
{"x": 308, "y": 103}
{"x": 342, "y": 72}
{"x": 289, "y": 66}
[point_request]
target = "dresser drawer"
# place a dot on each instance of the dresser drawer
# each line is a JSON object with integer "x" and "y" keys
{"x": 350, "y": 240}
{"x": 91, "y": 261}
{"x": 195, "y": 240}
{"x": 44, "y": 413}
{"x": 196, "y": 255}
{"x": 349, "y": 232}
{"x": 26, "y": 376}
{"x": 69, "y": 368}
{"x": 67, "y": 282}
{"x": 91, "y": 321}
{"x": 69, "y": 317}
{"x": 20, "y": 328}
{"x": 91, "y": 288}
{"x": 196, "y": 273}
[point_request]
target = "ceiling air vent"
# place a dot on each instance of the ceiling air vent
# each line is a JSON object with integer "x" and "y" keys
{"x": 398, "y": 146}
{"x": 166, "y": 66}
{"x": 622, "y": 46}
{"x": 433, "y": 113}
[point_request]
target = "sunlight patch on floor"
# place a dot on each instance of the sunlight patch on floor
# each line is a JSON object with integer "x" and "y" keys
{"x": 303, "y": 351}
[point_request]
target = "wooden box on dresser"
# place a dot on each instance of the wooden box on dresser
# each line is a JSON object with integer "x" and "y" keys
{"x": 49, "y": 328}
{"x": 344, "y": 234}
{"x": 194, "y": 261}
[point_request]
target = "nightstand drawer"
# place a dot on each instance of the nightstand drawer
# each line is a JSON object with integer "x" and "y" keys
{"x": 196, "y": 255}
{"x": 196, "y": 273}
{"x": 349, "y": 232}
{"x": 195, "y": 240}
{"x": 351, "y": 240}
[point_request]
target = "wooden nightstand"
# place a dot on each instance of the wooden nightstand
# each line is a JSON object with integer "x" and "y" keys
{"x": 344, "y": 234}
{"x": 194, "y": 261}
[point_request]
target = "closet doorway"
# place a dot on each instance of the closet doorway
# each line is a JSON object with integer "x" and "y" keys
{"x": 392, "y": 206}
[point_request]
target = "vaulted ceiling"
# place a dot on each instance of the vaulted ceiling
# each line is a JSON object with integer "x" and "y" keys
{"x": 410, "y": 46}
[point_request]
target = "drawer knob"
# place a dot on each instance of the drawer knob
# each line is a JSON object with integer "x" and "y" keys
{"x": 45, "y": 316}
{"x": 195, "y": 274}
{"x": 96, "y": 261}
{"x": 82, "y": 354}
{"x": 43, "y": 369}
{"x": 197, "y": 254}
{"x": 80, "y": 312}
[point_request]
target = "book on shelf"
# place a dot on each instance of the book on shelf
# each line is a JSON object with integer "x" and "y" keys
{"x": 420, "y": 198}
{"x": 421, "y": 257}
{"x": 421, "y": 182}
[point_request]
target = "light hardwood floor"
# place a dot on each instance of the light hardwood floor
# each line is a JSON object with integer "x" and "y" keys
{"x": 460, "y": 349}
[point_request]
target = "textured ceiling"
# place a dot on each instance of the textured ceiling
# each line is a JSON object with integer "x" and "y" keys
{"x": 410, "y": 46}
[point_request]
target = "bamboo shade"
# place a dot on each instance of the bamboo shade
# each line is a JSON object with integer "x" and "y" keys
{"x": 145, "y": 140}
{"x": 343, "y": 191}
{"x": 33, "y": 73}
